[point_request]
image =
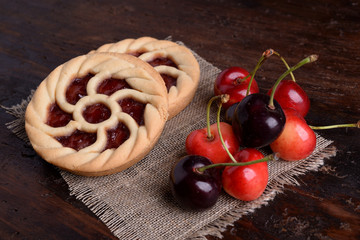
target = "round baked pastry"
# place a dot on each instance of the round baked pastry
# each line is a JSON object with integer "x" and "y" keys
{"x": 176, "y": 64}
{"x": 97, "y": 114}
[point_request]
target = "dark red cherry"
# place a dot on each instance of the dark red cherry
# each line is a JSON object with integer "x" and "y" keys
{"x": 194, "y": 189}
{"x": 255, "y": 123}
{"x": 229, "y": 113}
{"x": 230, "y": 81}
{"x": 227, "y": 79}
{"x": 290, "y": 95}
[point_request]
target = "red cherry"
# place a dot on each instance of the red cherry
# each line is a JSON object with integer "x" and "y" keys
{"x": 228, "y": 78}
{"x": 290, "y": 95}
{"x": 230, "y": 81}
{"x": 198, "y": 143}
{"x": 246, "y": 183}
{"x": 297, "y": 141}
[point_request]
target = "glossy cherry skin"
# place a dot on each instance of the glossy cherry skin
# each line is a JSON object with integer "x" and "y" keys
{"x": 246, "y": 183}
{"x": 229, "y": 113}
{"x": 255, "y": 123}
{"x": 228, "y": 82}
{"x": 191, "y": 188}
{"x": 290, "y": 95}
{"x": 297, "y": 141}
{"x": 197, "y": 143}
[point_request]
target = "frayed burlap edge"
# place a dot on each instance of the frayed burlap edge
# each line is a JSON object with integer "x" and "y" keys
{"x": 17, "y": 126}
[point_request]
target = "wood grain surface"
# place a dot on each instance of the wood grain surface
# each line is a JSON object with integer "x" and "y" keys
{"x": 37, "y": 36}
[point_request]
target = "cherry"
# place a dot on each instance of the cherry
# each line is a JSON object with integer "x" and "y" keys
{"x": 230, "y": 81}
{"x": 229, "y": 113}
{"x": 192, "y": 188}
{"x": 297, "y": 141}
{"x": 197, "y": 142}
{"x": 290, "y": 95}
{"x": 237, "y": 82}
{"x": 255, "y": 123}
{"x": 207, "y": 142}
{"x": 246, "y": 183}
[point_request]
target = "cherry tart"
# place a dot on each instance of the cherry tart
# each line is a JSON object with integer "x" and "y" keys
{"x": 176, "y": 64}
{"x": 97, "y": 114}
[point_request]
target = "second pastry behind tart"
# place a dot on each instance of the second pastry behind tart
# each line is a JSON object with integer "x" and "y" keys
{"x": 176, "y": 64}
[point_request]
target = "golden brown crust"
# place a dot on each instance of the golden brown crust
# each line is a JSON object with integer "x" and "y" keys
{"x": 147, "y": 87}
{"x": 187, "y": 72}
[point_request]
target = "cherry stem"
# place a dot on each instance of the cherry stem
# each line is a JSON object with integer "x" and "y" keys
{"x": 271, "y": 157}
{"x": 351, "y": 125}
{"x": 220, "y": 135}
{"x": 262, "y": 59}
{"x": 224, "y": 98}
{"x": 285, "y": 63}
{"x": 309, "y": 59}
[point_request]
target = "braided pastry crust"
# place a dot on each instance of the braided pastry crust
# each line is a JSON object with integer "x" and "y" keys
{"x": 142, "y": 85}
{"x": 171, "y": 60}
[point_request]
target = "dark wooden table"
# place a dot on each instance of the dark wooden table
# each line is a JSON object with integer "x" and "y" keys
{"x": 36, "y": 36}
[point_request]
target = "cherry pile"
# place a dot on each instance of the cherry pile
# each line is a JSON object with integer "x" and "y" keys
{"x": 226, "y": 155}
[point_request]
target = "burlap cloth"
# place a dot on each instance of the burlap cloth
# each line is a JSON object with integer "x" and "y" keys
{"x": 137, "y": 203}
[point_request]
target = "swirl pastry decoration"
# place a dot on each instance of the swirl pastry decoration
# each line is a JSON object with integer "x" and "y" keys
{"x": 175, "y": 63}
{"x": 97, "y": 114}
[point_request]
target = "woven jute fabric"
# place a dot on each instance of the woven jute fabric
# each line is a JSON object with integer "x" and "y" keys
{"x": 137, "y": 203}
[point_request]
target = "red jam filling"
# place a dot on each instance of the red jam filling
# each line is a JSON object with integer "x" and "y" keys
{"x": 111, "y": 85}
{"x": 57, "y": 117}
{"x": 169, "y": 81}
{"x": 96, "y": 113}
{"x": 77, "y": 140}
{"x": 77, "y": 89}
{"x": 162, "y": 61}
{"x": 134, "y": 108}
{"x": 116, "y": 136}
